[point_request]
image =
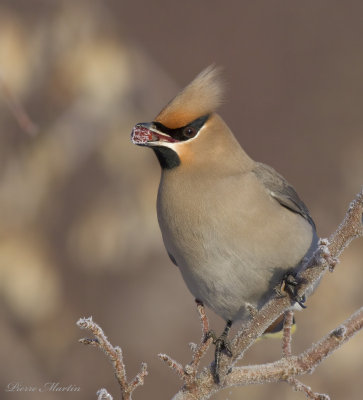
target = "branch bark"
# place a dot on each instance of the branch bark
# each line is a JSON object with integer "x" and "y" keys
{"x": 115, "y": 355}
{"x": 286, "y": 339}
{"x": 297, "y": 365}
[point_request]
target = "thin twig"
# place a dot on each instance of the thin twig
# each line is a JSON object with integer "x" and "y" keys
{"x": 286, "y": 333}
{"x": 203, "y": 317}
{"x": 116, "y": 358}
{"x": 103, "y": 394}
{"x": 174, "y": 365}
{"x": 189, "y": 372}
{"x": 139, "y": 377}
{"x": 286, "y": 352}
{"x": 297, "y": 365}
{"x": 301, "y": 387}
{"x": 205, "y": 342}
{"x": 286, "y": 369}
{"x": 326, "y": 257}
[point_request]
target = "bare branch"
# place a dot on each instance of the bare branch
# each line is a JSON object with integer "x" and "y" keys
{"x": 319, "y": 351}
{"x": 326, "y": 257}
{"x": 349, "y": 229}
{"x": 286, "y": 338}
{"x": 286, "y": 352}
{"x": 175, "y": 366}
{"x": 297, "y": 365}
{"x": 104, "y": 395}
{"x": 189, "y": 373}
{"x": 116, "y": 358}
{"x": 300, "y": 387}
{"x": 205, "y": 342}
{"x": 139, "y": 378}
{"x": 202, "y": 386}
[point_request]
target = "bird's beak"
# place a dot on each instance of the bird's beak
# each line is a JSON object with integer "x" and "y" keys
{"x": 146, "y": 134}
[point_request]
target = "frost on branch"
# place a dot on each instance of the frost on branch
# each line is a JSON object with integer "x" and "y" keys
{"x": 200, "y": 385}
{"x": 188, "y": 374}
{"x": 287, "y": 368}
{"x": 103, "y": 394}
{"x": 115, "y": 355}
{"x": 300, "y": 387}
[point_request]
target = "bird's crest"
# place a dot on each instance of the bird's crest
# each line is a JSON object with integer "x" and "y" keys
{"x": 202, "y": 96}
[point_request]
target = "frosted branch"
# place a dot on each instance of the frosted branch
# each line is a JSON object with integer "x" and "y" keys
{"x": 300, "y": 387}
{"x": 103, "y": 394}
{"x": 189, "y": 373}
{"x": 175, "y": 366}
{"x": 115, "y": 356}
{"x": 205, "y": 342}
{"x": 286, "y": 338}
{"x": 286, "y": 369}
{"x": 293, "y": 366}
{"x": 202, "y": 386}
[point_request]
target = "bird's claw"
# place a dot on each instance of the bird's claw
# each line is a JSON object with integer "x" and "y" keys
{"x": 290, "y": 285}
{"x": 221, "y": 342}
{"x": 210, "y": 334}
{"x": 222, "y": 345}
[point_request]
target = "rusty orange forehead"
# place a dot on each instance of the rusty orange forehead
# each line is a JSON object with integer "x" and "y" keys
{"x": 202, "y": 96}
{"x": 177, "y": 119}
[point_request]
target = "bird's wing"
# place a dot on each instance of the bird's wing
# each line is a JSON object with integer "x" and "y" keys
{"x": 172, "y": 259}
{"x": 280, "y": 190}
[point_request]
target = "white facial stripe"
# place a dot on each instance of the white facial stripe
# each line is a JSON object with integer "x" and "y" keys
{"x": 175, "y": 145}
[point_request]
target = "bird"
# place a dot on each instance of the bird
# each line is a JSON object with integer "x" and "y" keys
{"x": 233, "y": 226}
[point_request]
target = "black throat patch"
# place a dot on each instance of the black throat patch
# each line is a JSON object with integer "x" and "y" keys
{"x": 167, "y": 157}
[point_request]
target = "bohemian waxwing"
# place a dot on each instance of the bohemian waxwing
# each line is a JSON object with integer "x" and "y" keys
{"x": 233, "y": 226}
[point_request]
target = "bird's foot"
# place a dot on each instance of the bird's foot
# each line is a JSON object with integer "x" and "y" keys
{"x": 222, "y": 345}
{"x": 222, "y": 342}
{"x": 290, "y": 285}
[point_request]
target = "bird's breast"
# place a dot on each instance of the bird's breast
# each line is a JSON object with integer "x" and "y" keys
{"x": 230, "y": 239}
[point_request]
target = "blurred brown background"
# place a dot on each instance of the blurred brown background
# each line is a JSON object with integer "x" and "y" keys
{"x": 78, "y": 228}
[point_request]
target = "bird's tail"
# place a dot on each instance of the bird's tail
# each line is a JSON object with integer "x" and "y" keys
{"x": 275, "y": 329}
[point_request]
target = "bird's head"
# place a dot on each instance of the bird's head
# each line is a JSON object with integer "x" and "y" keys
{"x": 187, "y": 130}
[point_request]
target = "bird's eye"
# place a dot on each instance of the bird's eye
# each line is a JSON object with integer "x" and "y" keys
{"x": 189, "y": 132}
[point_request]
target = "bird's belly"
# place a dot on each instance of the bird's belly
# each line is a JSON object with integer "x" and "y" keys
{"x": 225, "y": 272}
{"x": 231, "y": 256}
{"x": 225, "y": 280}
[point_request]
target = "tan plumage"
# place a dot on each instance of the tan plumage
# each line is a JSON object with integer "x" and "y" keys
{"x": 202, "y": 96}
{"x": 232, "y": 225}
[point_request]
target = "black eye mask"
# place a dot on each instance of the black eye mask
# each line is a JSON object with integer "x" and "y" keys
{"x": 185, "y": 132}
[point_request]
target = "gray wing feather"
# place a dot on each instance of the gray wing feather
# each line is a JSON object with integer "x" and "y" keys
{"x": 172, "y": 259}
{"x": 280, "y": 190}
